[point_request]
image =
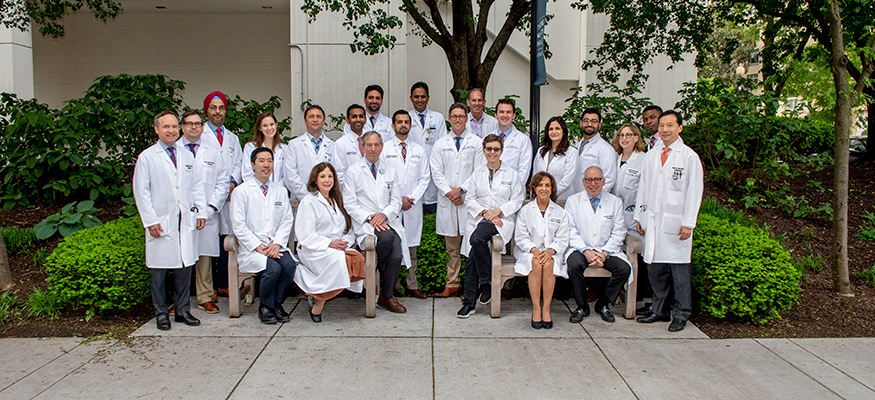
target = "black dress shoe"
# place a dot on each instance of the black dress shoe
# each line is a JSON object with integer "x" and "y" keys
{"x": 537, "y": 324}
{"x": 317, "y": 318}
{"x": 266, "y": 316}
{"x": 465, "y": 311}
{"x": 644, "y": 311}
{"x": 606, "y": 314}
{"x": 653, "y": 318}
{"x": 677, "y": 325}
{"x": 281, "y": 314}
{"x": 547, "y": 324}
{"x": 579, "y": 314}
{"x": 163, "y": 322}
{"x": 187, "y": 318}
{"x": 485, "y": 294}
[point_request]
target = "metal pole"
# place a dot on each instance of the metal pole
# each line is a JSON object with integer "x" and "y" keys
{"x": 534, "y": 91}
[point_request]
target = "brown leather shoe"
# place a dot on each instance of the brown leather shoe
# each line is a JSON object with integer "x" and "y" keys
{"x": 416, "y": 293}
{"x": 215, "y": 298}
{"x": 448, "y": 291}
{"x": 209, "y": 307}
{"x": 172, "y": 310}
{"x": 223, "y": 292}
{"x": 391, "y": 304}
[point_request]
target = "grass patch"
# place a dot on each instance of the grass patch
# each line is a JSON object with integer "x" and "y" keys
{"x": 18, "y": 239}
{"x": 6, "y": 303}
{"x": 44, "y": 303}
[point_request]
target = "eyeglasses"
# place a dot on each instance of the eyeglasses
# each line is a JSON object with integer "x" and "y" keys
{"x": 457, "y": 116}
{"x": 626, "y": 135}
{"x": 590, "y": 121}
{"x": 591, "y": 180}
{"x": 220, "y": 108}
{"x": 189, "y": 124}
{"x": 488, "y": 149}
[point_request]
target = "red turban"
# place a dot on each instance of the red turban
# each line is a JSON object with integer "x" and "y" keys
{"x": 213, "y": 95}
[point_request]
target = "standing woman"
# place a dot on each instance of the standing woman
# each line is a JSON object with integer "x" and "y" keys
{"x": 266, "y": 135}
{"x": 324, "y": 241}
{"x": 541, "y": 239}
{"x": 630, "y": 157}
{"x": 557, "y": 157}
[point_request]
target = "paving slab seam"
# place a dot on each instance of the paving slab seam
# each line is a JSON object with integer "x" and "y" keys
{"x": 64, "y": 353}
{"x": 68, "y": 373}
{"x": 433, "y": 373}
{"x": 615, "y": 368}
{"x": 805, "y": 373}
{"x": 827, "y": 363}
{"x": 254, "y": 359}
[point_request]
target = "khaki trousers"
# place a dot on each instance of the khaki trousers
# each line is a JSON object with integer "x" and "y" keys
{"x": 411, "y": 269}
{"x": 203, "y": 273}
{"x": 454, "y": 248}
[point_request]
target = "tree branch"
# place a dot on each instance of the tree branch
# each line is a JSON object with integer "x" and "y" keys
{"x": 517, "y": 10}
{"x": 821, "y": 36}
{"x": 443, "y": 37}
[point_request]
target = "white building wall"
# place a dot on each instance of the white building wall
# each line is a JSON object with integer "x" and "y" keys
{"x": 239, "y": 54}
{"x": 16, "y": 62}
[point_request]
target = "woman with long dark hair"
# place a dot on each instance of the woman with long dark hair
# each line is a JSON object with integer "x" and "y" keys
{"x": 557, "y": 157}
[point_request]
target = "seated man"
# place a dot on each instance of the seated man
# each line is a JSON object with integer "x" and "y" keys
{"x": 262, "y": 220}
{"x": 372, "y": 195}
{"x": 597, "y": 230}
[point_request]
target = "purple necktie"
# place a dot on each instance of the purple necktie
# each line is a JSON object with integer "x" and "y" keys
{"x": 172, "y": 155}
{"x": 191, "y": 146}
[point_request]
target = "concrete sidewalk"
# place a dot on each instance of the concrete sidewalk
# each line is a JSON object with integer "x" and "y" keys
{"x": 428, "y": 353}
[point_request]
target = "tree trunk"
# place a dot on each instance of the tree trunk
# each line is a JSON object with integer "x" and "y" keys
{"x": 5, "y": 274}
{"x": 870, "y": 129}
{"x": 841, "y": 275}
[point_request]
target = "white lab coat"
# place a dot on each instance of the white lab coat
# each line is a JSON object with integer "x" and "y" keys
{"x": 301, "y": 160}
{"x": 260, "y": 220}
{"x": 364, "y": 195}
{"x": 322, "y": 268}
{"x": 279, "y": 157}
{"x": 543, "y": 232}
{"x": 516, "y": 153}
{"x": 600, "y": 153}
{"x": 600, "y": 230}
{"x": 383, "y": 126}
{"x": 346, "y": 153}
{"x": 628, "y": 177}
{"x": 434, "y": 129}
{"x": 489, "y": 124}
{"x": 214, "y": 174}
{"x": 233, "y": 156}
{"x": 414, "y": 177}
{"x": 506, "y": 192}
{"x": 173, "y": 197}
{"x": 450, "y": 168}
{"x": 563, "y": 168}
{"x": 669, "y": 197}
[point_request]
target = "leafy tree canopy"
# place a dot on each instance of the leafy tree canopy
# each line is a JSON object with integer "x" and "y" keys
{"x": 49, "y": 14}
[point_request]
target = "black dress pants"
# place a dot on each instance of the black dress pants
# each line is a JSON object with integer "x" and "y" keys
{"x": 181, "y": 290}
{"x": 389, "y": 258}
{"x": 479, "y": 266}
{"x": 618, "y": 268}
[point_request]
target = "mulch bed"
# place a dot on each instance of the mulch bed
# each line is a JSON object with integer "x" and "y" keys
{"x": 820, "y": 312}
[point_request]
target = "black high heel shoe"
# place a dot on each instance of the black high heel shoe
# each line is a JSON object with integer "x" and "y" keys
{"x": 547, "y": 324}
{"x": 317, "y": 318}
{"x": 537, "y": 324}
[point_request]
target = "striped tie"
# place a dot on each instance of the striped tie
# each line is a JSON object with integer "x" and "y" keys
{"x": 404, "y": 151}
{"x": 264, "y": 189}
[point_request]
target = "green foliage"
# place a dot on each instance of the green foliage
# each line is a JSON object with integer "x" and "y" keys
{"x": 241, "y": 114}
{"x": 39, "y": 256}
{"x": 18, "y": 239}
{"x": 45, "y": 303}
{"x": 867, "y": 232}
{"x": 130, "y": 207}
{"x": 520, "y": 122}
{"x": 102, "y": 268}
{"x": 868, "y": 275}
{"x": 68, "y": 221}
{"x": 432, "y": 257}
{"x": 711, "y": 207}
{"x": 49, "y": 14}
{"x": 7, "y": 301}
{"x": 740, "y": 271}
{"x": 617, "y": 106}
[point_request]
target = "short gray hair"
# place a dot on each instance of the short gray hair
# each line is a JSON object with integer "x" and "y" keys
{"x": 163, "y": 113}
{"x": 369, "y": 133}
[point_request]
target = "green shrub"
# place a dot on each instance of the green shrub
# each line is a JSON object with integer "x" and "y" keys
{"x": 45, "y": 303}
{"x": 7, "y": 301}
{"x": 39, "y": 256}
{"x": 432, "y": 257}
{"x": 241, "y": 114}
{"x": 711, "y": 207}
{"x": 102, "y": 268}
{"x": 68, "y": 221}
{"x": 867, "y": 233}
{"x": 868, "y": 275}
{"x": 740, "y": 271}
{"x": 18, "y": 239}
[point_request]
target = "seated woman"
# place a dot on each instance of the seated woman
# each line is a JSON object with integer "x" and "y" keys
{"x": 541, "y": 239}
{"x": 324, "y": 234}
{"x": 493, "y": 195}
{"x": 558, "y": 157}
{"x": 266, "y": 134}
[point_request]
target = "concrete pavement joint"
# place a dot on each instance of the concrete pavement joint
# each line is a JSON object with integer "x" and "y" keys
{"x": 594, "y": 342}
{"x": 95, "y": 356}
{"x": 827, "y": 363}
{"x": 64, "y": 353}
{"x": 433, "y": 373}
{"x": 800, "y": 369}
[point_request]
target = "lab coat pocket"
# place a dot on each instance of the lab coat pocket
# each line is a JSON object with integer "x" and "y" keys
{"x": 632, "y": 178}
{"x": 671, "y": 224}
{"x": 678, "y": 180}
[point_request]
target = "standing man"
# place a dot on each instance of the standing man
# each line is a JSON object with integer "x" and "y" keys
{"x": 307, "y": 150}
{"x": 372, "y": 193}
{"x": 170, "y": 198}
{"x": 214, "y": 172}
{"x": 263, "y": 219}
{"x": 479, "y": 123}
{"x": 215, "y": 133}
{"x": 409, "y": 159}
{"x": 669, "y": 196}
{"x": 374, "y": 119}
{"x": 517, "y": 152}
{"x": 452, "y": 161}
{"x": 595, "y": 151}
{"x": 597, "y": 229}
{"x": 650, "y": 118}
{"x": 349, "y": 148}
{"x": 426, "y": 128}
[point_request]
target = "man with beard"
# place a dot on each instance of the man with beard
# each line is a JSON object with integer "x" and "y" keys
{"x": 594, "y": 150}
{"x": 374, "y": 119}
{"x": 349, "y": 147}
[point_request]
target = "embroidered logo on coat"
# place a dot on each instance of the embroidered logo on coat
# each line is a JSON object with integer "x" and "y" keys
{"x": 677, "y": 174}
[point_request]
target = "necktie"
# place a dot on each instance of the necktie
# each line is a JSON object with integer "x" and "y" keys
{"x": 374, "y": 170}
{"x": 652, "y": 141}
{"x": 316, "y": 142}
{"x": 422, "y": 120}
{"x": 219, "y": 135}
{"x": 361, "y": 149}
{"x": 404, "y": 151}
{"x": 172, "y": 155}
{"x": 582, "y": 145}
{"x": 595, "y": 203}
{"x": 458, "y": 140}
{"x": 264, "y": 189}
{"x": 373, "y": 122}
{"x": 191, "y": 146}
{"x": 502, "y": 137}
{"x": 664, "y": 154}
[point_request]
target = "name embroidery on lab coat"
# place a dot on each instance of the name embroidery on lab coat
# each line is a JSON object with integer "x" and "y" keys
{"x": 278, "y": 204}
{"x": 556, "y": 220}
{"x": 633, "y": 172}
{"x": 608, "y": 216}
{"x": 505, "y": 183}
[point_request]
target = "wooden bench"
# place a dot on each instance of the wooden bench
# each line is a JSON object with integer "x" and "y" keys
{"x": 502, "y": 270}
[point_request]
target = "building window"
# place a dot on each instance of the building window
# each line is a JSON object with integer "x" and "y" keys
{"x": 754, "y": 77}
{"x": 754, "y": 57}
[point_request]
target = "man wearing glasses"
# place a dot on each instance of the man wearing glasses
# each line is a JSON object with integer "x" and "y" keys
{"x": 597, "y": 228}
{"x": 594, "y": 150}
